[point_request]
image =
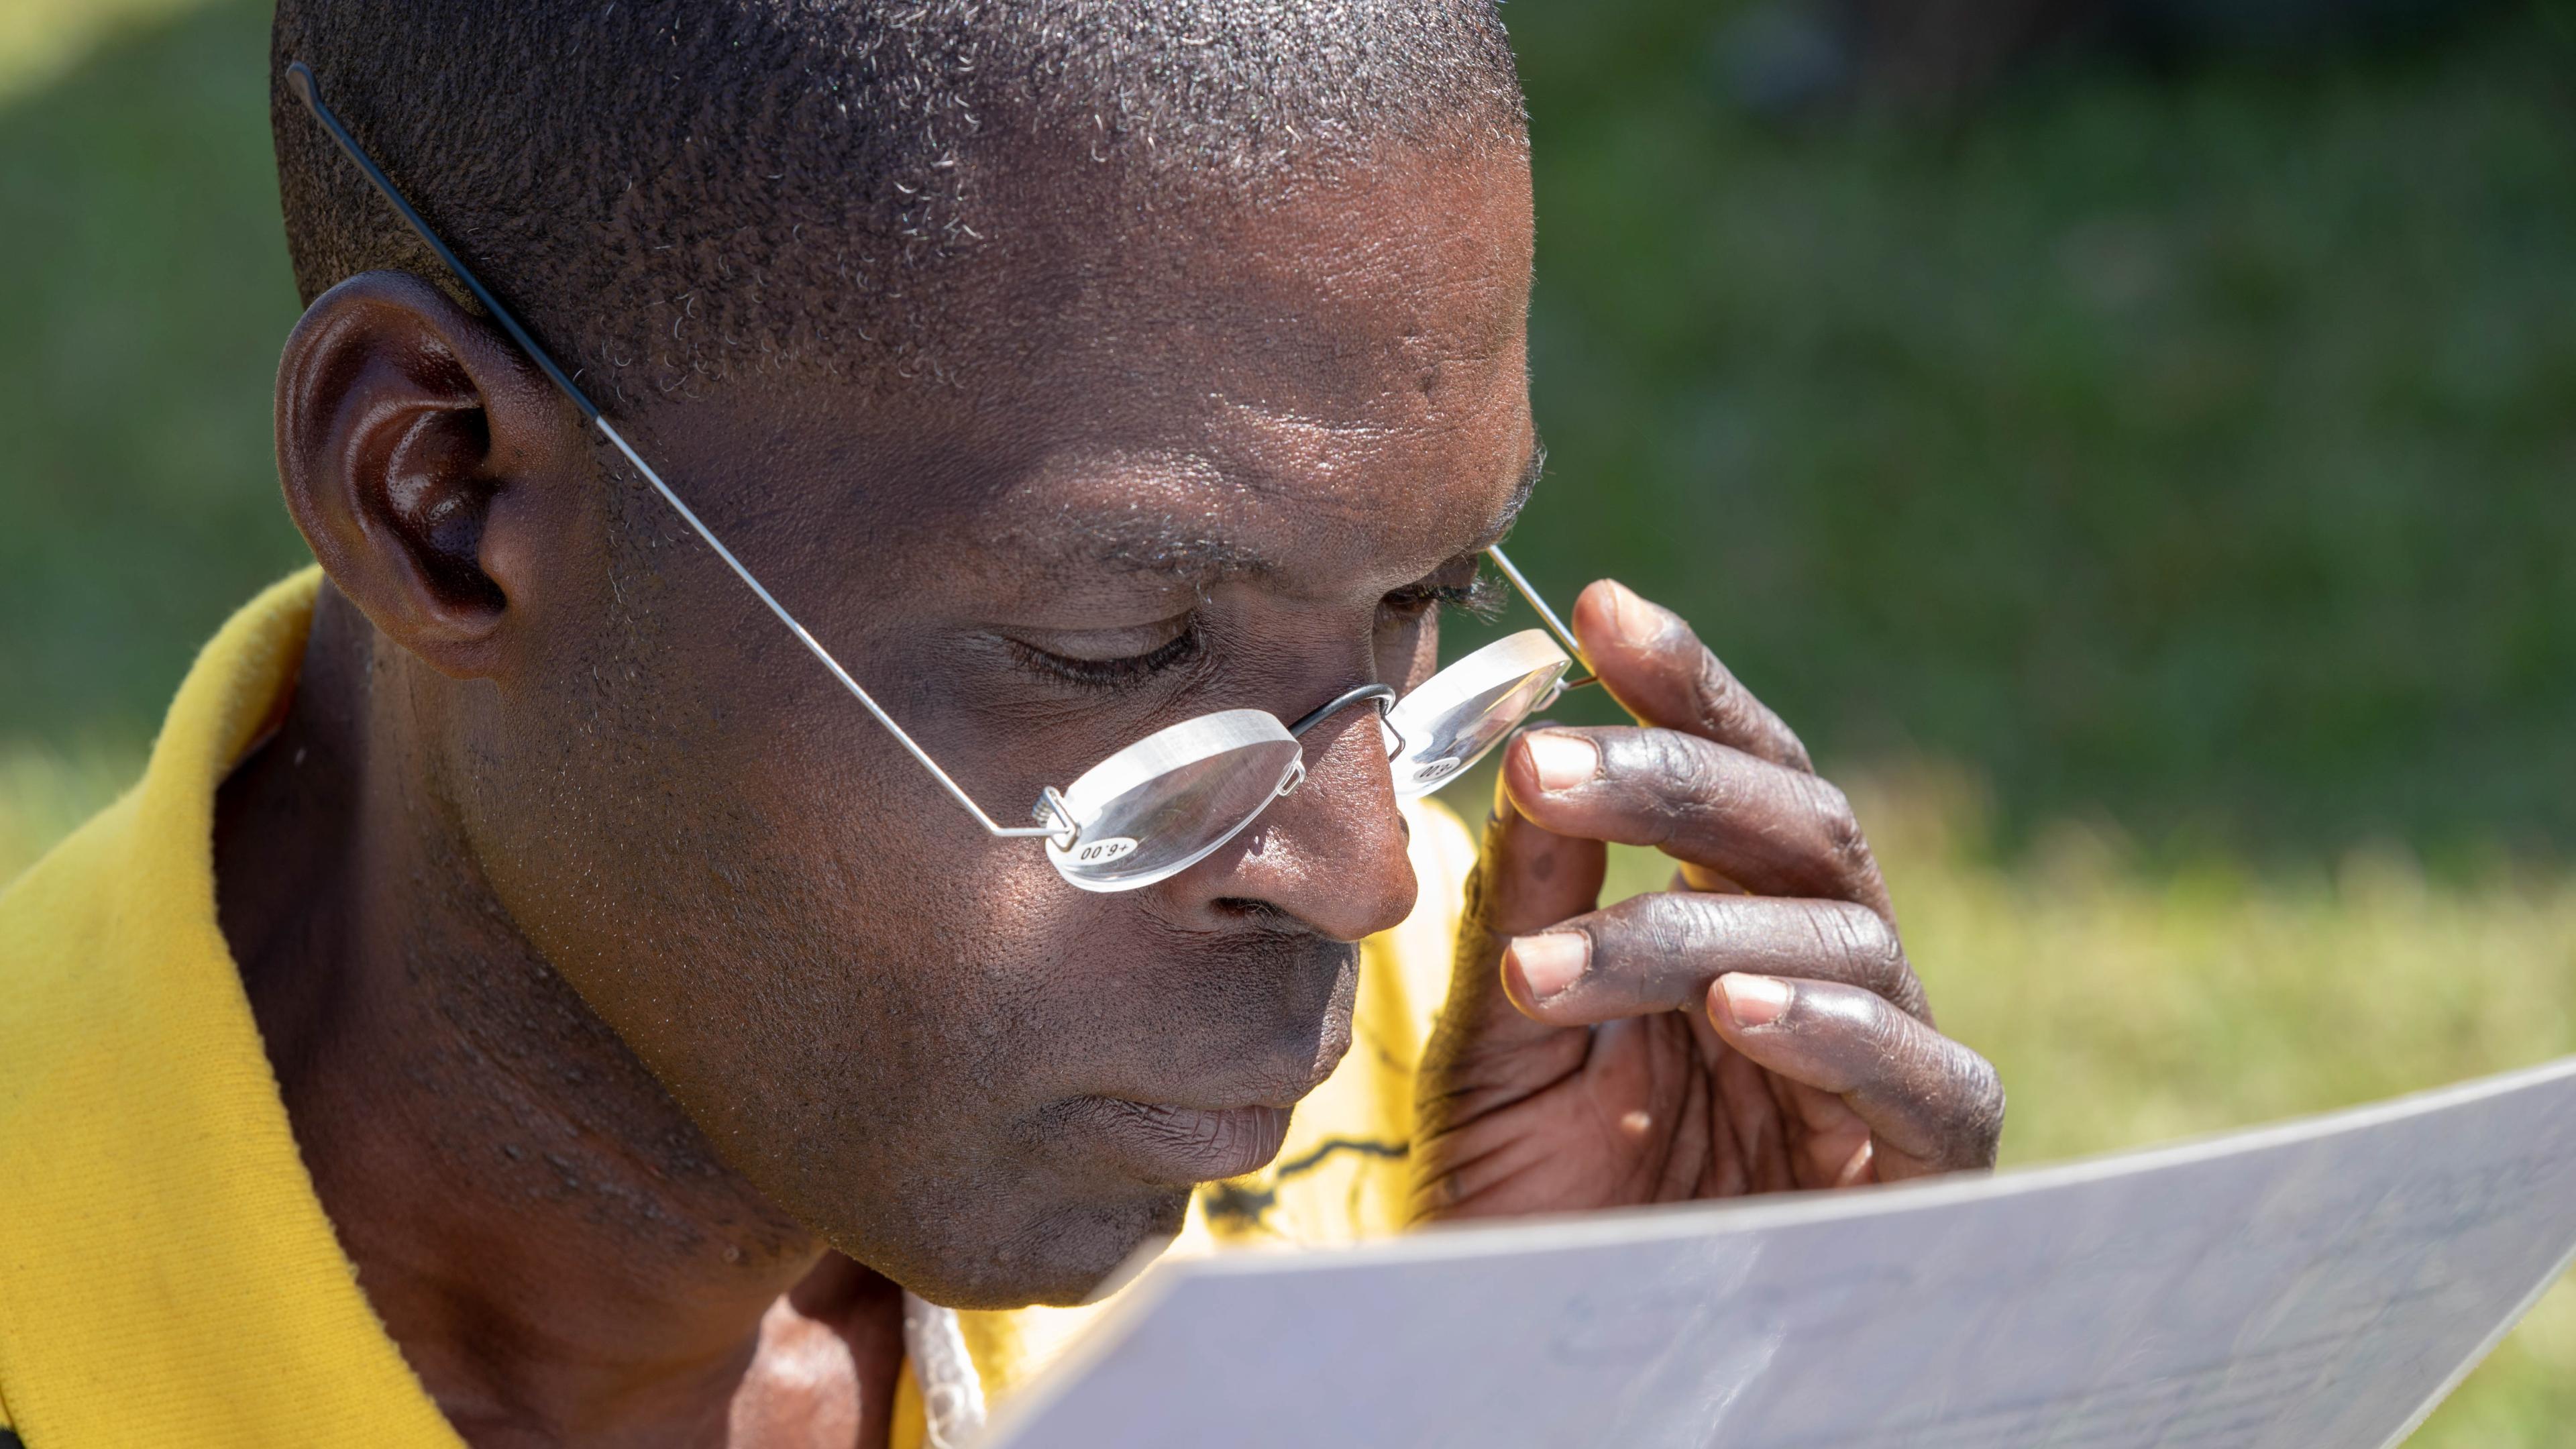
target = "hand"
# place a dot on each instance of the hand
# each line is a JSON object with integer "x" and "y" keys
{"x": 1754, "y": 1029}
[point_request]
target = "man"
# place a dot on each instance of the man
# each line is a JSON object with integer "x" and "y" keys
{"x": 528, "y": 1001}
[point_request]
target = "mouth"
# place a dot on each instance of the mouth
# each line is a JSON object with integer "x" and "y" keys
{"x": 1173, "y": 1146}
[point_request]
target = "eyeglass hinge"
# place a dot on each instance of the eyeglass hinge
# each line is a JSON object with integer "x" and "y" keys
{"x": 1052, "y": 811}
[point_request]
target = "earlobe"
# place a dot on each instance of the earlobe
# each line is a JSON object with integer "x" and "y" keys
{"x": 403, "y": 423}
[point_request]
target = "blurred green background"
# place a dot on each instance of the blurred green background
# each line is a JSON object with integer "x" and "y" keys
{"x": 2148, "y": 488}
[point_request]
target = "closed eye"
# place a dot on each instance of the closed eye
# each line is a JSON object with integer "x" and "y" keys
{"x": 1110, "y": 671}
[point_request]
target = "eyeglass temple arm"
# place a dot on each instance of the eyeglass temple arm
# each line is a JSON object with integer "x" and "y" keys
{"x": 955, "y": 790}
{"x": 1555, "y": 625}
{"x": 299, "y": 79}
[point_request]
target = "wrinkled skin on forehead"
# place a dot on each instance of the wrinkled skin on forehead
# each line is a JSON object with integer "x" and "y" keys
{"x": 1240, "y": 425}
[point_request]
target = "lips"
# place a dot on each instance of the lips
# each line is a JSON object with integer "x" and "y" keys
{"x": 1181, "y": 1146}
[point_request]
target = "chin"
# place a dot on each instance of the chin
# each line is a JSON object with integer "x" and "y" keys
{"x": 1070, "y": 1255}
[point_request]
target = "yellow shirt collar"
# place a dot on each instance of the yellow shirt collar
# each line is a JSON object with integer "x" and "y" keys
{"x": 167, "y": 1275}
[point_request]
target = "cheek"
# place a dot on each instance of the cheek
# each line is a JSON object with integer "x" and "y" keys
{"x": 841, "y": 983}
{"x": 751, "y": 912}
{"x": 763, "y": 901}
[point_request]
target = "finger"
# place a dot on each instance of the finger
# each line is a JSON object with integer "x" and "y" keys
{"x": 1752, "y": 1145}
{"x": 1829, "y": 1145}
{"x": 1657, "y": 669}
{"x": 1660, "y": 952}
{"x": 1931, "y": 1104}
{"x": 1730, "y": 818}
{"x": 1525, "y": 879}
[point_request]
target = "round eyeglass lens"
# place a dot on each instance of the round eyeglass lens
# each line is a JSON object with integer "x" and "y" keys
{"x": 1157, "y": 807}
{"x": 1465, "y": 710}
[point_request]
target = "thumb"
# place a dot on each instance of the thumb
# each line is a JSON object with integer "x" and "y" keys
{"x": 1526, "y": 880}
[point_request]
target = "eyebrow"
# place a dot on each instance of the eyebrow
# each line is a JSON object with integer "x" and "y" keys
{"x": 1161, "y": 544}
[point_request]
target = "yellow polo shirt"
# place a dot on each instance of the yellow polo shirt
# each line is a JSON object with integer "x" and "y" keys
{"x": 167, "y": 1276}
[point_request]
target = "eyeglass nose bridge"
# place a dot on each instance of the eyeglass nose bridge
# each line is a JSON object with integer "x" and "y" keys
{"x": 1382, "y": 695}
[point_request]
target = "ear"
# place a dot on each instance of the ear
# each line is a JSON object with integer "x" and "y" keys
{"x": 416, "y": 447}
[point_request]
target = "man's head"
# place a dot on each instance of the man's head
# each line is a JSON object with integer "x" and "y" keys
{"x": 1071, "y": 370}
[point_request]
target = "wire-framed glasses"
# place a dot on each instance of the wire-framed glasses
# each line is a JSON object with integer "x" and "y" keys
{"x": 1166, "y": 802}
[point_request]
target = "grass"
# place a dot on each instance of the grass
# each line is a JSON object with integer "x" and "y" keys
{"x": 45, "y": 793}
{"x": 2193, "y": 452}
{"x": 39, "y": 41}
{"x": 147, "y": 294}
{"x": 2178, "y": 465}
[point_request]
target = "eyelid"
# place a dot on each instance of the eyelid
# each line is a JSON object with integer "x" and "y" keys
{"x": 1113, "y": 672}
{"x": 1103, "y": 646}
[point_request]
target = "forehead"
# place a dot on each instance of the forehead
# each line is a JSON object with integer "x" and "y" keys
{"x": 1323, "y": 383}
{"x": 1330, "y": 378}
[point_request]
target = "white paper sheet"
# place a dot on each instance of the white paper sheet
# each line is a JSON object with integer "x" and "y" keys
{"x": 2309, "y": 1286}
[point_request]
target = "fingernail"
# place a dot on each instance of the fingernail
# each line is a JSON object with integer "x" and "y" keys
{"x": 1562, "y": 761}
{"x": 1549, "y": 962}
{"x": 1754, "y": 1000}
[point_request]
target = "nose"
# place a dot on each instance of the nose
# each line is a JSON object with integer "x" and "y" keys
{"x": 1330, "y": 853}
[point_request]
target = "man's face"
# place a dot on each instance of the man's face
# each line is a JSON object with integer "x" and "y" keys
{"x": 1220, "y": 456}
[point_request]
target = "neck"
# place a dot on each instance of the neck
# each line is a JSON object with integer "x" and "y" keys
{"x": 556, "y": 1248}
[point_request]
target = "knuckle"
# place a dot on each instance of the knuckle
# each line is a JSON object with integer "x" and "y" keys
{"x": 1791, "y": 751}
{"x": 1665, "y": 927}
{"x": 1663, "y": 942}
{"x": 1684, "y": 782}
{"x": 1872, "y": 946}
{"x": 1859, "y": 946}
{"x": 1673, "y": 757}
{"x": 1837, "y": 824}
{"x": 1840, "y": 935}
{"x": 1721, "y": 696}
{"x": 1877, "y": 955}
{"x": 1727, "y": 710}
{"x": 1703, "y": 772}
{"x": 1890, "y": 1035}
{"x": 1982, "y": 1090}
